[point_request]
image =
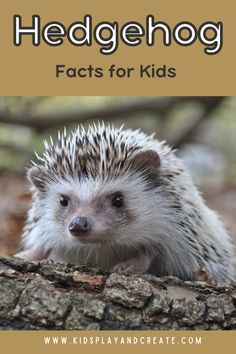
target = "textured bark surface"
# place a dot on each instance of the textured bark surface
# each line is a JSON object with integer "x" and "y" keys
{"x": 47, "y": 295}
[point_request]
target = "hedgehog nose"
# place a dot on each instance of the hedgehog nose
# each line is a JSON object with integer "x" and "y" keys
{"x": 79, "y": 225}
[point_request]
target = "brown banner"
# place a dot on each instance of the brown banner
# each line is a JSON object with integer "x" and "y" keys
{"x": 191, "y": 52}
{"x": 117, "y": 342}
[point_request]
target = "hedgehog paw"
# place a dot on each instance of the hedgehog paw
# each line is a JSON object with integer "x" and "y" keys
{"x": 31, "y": 254}
{"x": 139, "y": 264}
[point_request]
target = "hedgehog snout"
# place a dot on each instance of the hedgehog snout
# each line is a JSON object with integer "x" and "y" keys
{"x": 80, "y": 225}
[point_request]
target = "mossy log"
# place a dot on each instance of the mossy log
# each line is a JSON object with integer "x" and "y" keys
{"x": 47, "y": 295}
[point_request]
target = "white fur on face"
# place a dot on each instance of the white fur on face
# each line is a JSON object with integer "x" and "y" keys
{"x": 83, "y": 196}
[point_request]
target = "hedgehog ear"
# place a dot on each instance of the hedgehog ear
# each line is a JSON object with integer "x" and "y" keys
{"x": 36, "y": 176}
{"x": 147, "y": 162}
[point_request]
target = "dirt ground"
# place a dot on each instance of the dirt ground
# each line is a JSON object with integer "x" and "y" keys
{"x": 15, "y": 199}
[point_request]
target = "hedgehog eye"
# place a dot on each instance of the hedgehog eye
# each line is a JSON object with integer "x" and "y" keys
{"x": 117, "y": 200}
{"x": 64, "y": 201}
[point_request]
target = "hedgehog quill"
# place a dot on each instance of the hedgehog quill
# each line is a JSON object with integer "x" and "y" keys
{"x": 119, "y": 199}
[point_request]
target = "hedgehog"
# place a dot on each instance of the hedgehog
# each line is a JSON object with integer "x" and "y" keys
{"x": 121, "y": 200}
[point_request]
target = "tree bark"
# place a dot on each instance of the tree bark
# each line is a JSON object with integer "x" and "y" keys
{"x": 47, "y": 295}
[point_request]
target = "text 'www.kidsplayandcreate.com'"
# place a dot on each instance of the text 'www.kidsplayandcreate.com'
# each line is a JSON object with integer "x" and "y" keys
{"x": 122, "y": 340}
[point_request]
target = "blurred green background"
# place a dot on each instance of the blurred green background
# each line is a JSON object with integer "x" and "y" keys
{"x": 202, "y": 129}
